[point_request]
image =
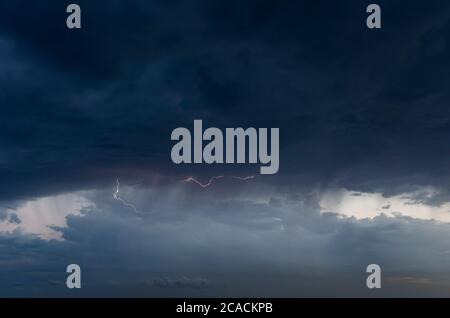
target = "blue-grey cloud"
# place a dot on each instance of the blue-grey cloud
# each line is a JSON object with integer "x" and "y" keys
{"x": 225, "y": 248}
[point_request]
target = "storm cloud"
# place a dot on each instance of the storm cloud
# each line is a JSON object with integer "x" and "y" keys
{"x": 364, "y": 130}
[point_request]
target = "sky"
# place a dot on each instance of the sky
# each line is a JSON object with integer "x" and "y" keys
{"x": 86, "y": 175}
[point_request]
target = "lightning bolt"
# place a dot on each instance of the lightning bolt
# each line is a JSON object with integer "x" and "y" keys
{"x": 190, "y": 179}
{"x": 116, "y": 197}
{"x": 211, "y": 181}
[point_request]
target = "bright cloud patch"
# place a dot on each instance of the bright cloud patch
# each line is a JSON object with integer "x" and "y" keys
{"x": 37, "y": 217}
{"x": 369, "y": 205}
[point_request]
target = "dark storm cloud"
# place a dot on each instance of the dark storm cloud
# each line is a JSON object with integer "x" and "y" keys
{"x": 358, "y": 108}
{"x": 364, "y": 109}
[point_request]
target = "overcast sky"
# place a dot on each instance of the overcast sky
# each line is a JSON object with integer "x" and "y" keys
{"x": 364, "y": 125}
